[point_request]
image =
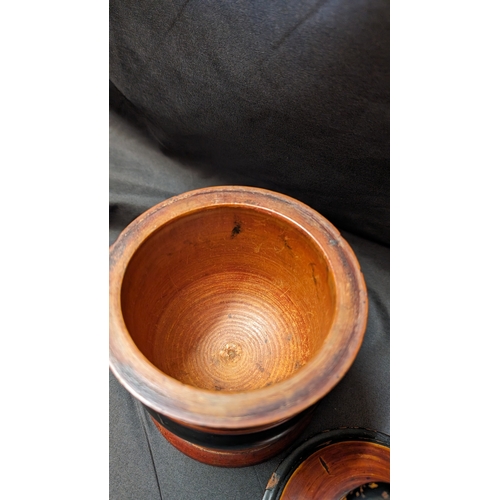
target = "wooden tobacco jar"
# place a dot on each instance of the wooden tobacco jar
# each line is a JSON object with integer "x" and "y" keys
{"x": 233, "y": 311}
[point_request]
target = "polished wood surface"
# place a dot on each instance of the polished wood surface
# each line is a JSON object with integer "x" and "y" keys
{"x": 334, "y": 471}
{"x": 228, "y": 299}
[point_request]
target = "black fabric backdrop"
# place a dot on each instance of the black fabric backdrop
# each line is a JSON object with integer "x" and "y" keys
{"x": 286, "y": 95}
{"x": 292, "y": 94}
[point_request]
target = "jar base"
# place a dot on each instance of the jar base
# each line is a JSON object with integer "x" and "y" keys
{"x": 244, "y": 457}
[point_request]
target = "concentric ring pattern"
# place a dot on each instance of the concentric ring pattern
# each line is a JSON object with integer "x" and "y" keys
{"x": 228, "y": 299}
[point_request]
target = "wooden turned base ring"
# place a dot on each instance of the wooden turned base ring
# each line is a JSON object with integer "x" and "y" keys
{"x": 243, "y": 457}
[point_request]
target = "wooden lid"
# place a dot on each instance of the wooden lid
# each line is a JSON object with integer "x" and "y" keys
{"x": 337, "y": 465}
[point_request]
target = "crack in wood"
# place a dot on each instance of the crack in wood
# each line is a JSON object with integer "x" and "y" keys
{"x": 323, "y": 463}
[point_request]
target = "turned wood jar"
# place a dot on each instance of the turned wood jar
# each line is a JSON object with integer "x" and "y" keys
{"x": 233, "y": 311}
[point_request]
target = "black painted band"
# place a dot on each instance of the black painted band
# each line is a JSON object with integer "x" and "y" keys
{"x": 229, "y": 441}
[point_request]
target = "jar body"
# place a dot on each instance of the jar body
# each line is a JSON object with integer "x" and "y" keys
{"x": 233, "y": 312}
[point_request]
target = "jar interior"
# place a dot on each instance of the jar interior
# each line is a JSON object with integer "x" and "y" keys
{"x": 228, "y": 298}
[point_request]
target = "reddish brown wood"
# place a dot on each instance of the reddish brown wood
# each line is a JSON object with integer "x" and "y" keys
{"x": 235, "y": 458}
{"x": 335, "y": 470}
{"x": 233, "y": 308}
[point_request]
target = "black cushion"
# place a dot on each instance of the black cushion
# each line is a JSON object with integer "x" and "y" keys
{"x": 293, "y": 95}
